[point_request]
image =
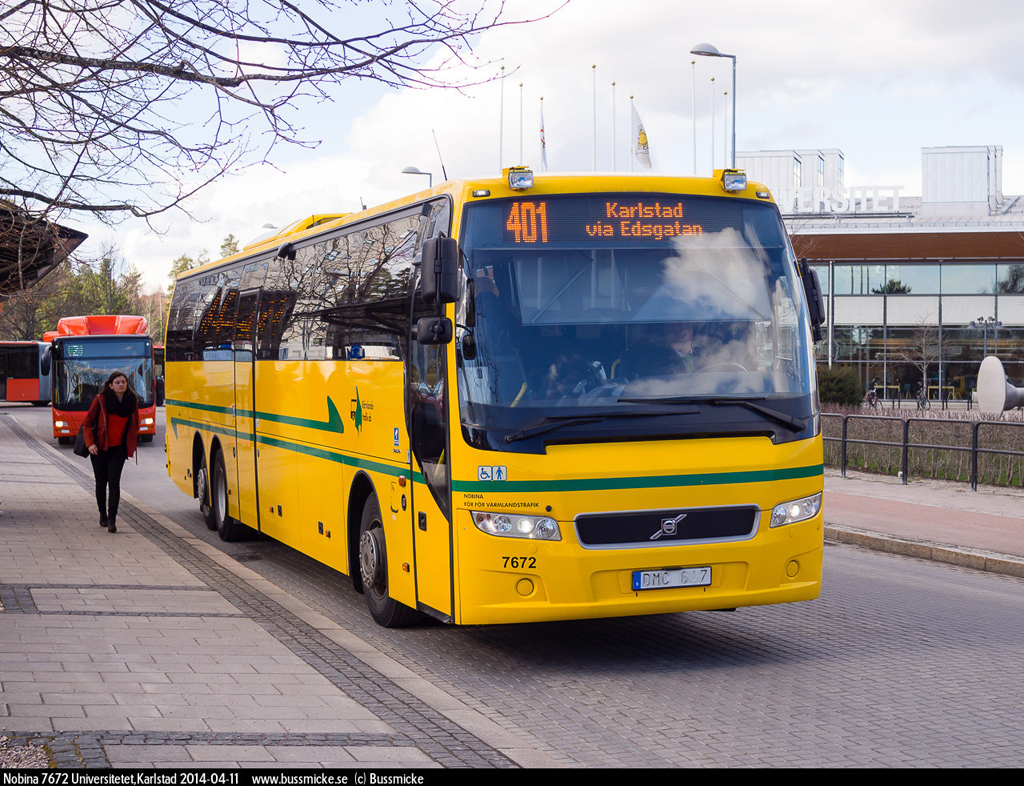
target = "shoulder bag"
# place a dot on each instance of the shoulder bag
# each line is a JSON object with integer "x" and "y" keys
{"x": 80, "y": 449}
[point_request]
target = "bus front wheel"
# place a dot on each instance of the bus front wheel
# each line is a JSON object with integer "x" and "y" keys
{"x": 373, "y": 569}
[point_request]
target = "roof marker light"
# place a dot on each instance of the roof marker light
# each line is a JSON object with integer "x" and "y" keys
{"x": 734, "y": 180}
{"x": 520, "y": 178}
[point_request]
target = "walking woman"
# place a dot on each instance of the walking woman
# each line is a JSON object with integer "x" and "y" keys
{"x": 111, "y": 432}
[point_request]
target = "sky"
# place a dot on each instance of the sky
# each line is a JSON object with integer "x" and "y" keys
{"x": 877, "y": 79}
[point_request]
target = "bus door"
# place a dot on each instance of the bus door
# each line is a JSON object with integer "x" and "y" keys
{"x": 431, "y": 497}
{"x": 3, "y": 375}
{"x": 245, "y": 408}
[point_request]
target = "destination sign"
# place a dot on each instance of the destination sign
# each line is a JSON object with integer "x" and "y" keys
{"x": 531, "y": 221}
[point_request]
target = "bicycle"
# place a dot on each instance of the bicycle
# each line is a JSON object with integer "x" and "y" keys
{"x": 871, "y": 399}
{"x": 923, "y": 402}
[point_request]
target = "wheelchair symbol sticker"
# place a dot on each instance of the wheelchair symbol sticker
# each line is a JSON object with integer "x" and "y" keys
{"x": 491, "y": 473}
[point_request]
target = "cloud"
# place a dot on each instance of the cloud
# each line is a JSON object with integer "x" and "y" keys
{"x": 879, "y": 84}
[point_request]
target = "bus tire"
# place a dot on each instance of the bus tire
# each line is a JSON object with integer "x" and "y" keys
{"x": 203, "y": 493}
{"x": 373, "y": 569}
{"x": 228, "y": 529}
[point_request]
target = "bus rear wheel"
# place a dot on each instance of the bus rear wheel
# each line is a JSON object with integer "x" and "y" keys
{"x": 373, "y": 570}
{"x": 228, "y": 528}
{"x": 203, "y": 493}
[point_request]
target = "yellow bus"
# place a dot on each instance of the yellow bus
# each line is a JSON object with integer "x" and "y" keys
{"x": 517, "y": 399}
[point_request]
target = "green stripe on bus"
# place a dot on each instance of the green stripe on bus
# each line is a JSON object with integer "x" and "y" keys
{"x": 242, "y": 413}
{"x": 296, "y": 447}
{"x": 643, "y": 482}
{"x": 226, "y": 431}
{"x": 334, "y": 423}
{"x": 525, "y": 486}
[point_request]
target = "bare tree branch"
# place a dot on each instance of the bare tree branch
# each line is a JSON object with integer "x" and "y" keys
{"x": 109, "y": 107}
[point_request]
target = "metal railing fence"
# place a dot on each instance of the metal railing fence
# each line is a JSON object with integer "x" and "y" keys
{"x": 934, "y": 438}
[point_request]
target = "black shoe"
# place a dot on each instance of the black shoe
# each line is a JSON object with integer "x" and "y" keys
{"x": 103, "y": 522}
{"x": 111, "y": 526}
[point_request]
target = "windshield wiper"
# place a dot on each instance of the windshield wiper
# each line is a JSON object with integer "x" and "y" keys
{"x": 552, "y": 422}
{"x": 795, "y": 424}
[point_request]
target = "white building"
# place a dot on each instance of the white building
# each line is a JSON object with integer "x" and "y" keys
{"x": 917, "y": 286}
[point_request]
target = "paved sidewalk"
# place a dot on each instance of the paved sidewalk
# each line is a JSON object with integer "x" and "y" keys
{"x": 937, "y": 520}
{"x": 152, "y": 648}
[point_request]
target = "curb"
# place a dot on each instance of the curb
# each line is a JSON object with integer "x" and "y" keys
{"x": 989, "y": 561}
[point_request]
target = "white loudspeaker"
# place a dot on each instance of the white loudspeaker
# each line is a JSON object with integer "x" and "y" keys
{"x": 995, "y": 394}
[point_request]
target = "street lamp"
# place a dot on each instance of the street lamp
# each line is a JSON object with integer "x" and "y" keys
{"x": 709, "y": 50}
{"x": 983, "y": 323}
{"x": 411, "y": 170}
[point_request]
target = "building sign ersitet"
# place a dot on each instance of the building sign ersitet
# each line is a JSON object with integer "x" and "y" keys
{"x": 856, "y": 199}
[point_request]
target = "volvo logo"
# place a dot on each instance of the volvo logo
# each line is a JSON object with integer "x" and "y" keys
{"x": 669, "y": 526}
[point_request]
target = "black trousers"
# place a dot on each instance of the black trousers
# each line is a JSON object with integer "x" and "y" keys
{"x": 107, "y": 466}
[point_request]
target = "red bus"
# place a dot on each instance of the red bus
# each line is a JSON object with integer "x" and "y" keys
{"x": 21, "y": 372}
{"x": 84, "y": 351}
{"x": 158, "y": 365}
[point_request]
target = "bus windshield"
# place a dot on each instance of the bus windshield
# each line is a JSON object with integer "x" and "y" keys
{"x": 83, "y": 365}
{"x": 586, "y": 306}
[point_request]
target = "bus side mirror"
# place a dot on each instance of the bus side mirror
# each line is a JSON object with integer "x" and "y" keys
{"x": 815, "y": 302}
{"x": 439, "y": 272}
{"x": 434, "y": 330}
{"x": 44, "y": 361}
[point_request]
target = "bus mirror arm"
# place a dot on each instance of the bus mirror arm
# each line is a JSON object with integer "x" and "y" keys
{"x": 815, "y": 302}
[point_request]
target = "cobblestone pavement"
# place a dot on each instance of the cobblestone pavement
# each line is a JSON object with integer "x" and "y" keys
{"x": 146, "y": 648}
{"x": 172, "y": 649}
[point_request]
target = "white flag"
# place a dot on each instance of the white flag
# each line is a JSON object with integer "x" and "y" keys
{"x": 640, "y": 149}
{"x": 543, "y": 143}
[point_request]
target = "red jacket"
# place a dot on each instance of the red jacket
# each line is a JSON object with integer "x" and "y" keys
{"x": 95, "y": 426}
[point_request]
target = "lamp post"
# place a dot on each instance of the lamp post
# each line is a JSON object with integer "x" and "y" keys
{"x": 411, "y": 170}
{"x": 983, "y": 323}
{"x": 709, "y": 50}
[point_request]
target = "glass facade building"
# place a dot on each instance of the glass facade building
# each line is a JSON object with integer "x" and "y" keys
{"x": 918, "y": 289}
{"x": 903, "y": 322}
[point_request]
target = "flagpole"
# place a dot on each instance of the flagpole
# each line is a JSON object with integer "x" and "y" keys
{"x": 725, "y": 131}
{"x": 520, "y": 124}
{"x": 693, "y": 113}
{"x": 613, "y": 127}
{"x": 543, "y": 141}
{"x": 594, "y": 69}
{"x": 501, "y": 121}
{"x": 632, "y": 135}
{"x": 712, "y": 124}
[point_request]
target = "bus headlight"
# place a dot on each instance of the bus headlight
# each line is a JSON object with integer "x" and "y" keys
{"x": 513, "y": 525}
{"x": 147, "y": 421}
{"x": 797, "y": 510}
{"x": 60, "y": 424}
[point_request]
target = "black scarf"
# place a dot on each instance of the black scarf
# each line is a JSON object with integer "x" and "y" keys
{"x": 125, "y": 407}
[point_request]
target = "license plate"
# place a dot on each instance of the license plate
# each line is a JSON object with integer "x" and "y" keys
{"x": 671, "y": 577}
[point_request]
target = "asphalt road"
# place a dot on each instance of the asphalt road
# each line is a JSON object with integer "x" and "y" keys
{"x": 901, "y": 662}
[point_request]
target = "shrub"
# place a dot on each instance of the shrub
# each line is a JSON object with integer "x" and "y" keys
{"x": 839, "y": 386}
